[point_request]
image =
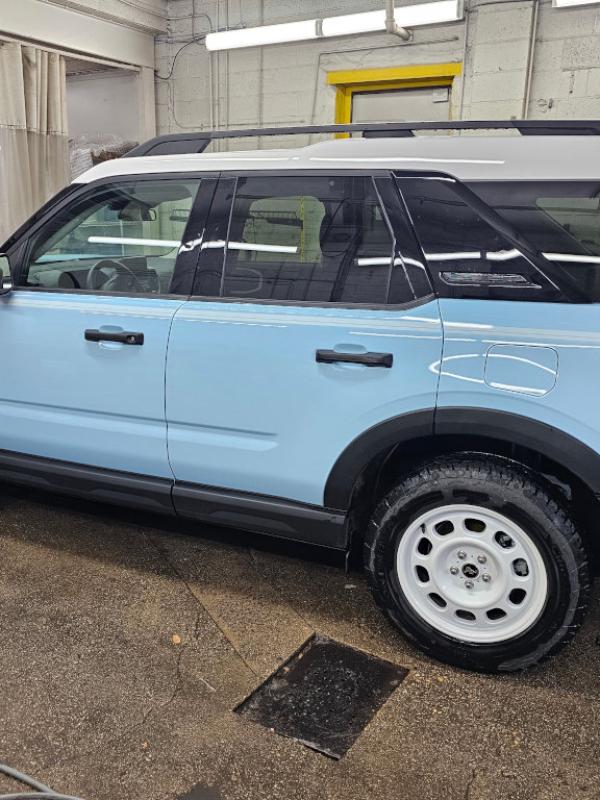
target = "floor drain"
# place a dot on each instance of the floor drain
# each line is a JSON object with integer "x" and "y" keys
{"x": 324, "y": 696}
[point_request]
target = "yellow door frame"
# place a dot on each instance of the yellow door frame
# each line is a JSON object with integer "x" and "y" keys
{"x": 348, "y": 82}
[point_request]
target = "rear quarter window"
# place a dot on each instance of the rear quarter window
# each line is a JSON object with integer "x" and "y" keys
{"x": 469, "y": 256}
{"x": 560, "y": 220}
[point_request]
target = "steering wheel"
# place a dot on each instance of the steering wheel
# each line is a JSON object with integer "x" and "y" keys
{"x": 120, "y": 270}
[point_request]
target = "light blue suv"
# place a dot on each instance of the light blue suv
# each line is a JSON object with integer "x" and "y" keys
{"x": 388, "y": 343}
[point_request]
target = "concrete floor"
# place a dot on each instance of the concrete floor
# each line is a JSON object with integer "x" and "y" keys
{"x": 126, "y": 643}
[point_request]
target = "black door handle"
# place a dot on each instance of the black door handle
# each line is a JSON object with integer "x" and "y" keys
{"x": 368, "y": 359}
{"x": 124, "y": 337}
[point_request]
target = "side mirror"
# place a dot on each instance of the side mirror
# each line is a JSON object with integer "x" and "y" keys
{"x": 5, "y": 276}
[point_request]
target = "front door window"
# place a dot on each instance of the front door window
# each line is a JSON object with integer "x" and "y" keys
{"x": 121, "y": 237}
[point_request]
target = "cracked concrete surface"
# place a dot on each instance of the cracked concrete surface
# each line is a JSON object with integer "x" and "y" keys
{"x": 127, "y": 640}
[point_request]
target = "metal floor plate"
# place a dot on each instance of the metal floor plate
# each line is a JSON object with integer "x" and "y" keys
{"x": 324, "y": 696}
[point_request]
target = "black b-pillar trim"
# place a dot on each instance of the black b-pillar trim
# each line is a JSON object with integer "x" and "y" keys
{"x": 262, "y": 514}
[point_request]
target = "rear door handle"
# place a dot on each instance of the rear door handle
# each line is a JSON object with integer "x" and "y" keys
{"x": 124, "y": 337}
{"x": 368, "y": 359}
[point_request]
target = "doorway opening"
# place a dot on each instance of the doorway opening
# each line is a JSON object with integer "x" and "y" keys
{"x": 421, "y": 92}
{"x": 102, "y": 112}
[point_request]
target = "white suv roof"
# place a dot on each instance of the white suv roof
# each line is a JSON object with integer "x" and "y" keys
{"x": 465, "y": 157}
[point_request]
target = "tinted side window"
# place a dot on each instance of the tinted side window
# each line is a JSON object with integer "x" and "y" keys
{"x": 119, "y": 237}
{"x": 409, "y": 276}
{"x": 561, "y": 219}
{"x": 467, "y": 256}
{"x": 316, "y": 239}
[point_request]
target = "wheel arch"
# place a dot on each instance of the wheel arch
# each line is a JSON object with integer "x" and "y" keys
{"x": 569, "y": 455}
{"x": 371, "y": 464}
{"x": 425, "y": 430}
{"x": 373, "y": 445}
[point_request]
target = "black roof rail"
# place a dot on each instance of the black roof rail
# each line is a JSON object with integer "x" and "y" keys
{"x": 197, "y": 142}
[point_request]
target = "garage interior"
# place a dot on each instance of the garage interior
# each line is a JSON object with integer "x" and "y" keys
{"x": 129, "y": 641}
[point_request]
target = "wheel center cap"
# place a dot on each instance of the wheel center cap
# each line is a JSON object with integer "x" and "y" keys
{"x": 470, "y": 571}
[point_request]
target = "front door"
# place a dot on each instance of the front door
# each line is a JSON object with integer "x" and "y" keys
{"x": 85, "y": 331}
{"x": 313, "y": 321}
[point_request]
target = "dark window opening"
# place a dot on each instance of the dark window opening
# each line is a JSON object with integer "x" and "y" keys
{"x": 315, "y": 239}
{"x": 561, "y": 220}
{"x": 467, "y": 256}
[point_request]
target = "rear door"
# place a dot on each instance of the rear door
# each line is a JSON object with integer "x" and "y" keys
{"x": 87, "y": 325}
{"x": 312, "y": 321}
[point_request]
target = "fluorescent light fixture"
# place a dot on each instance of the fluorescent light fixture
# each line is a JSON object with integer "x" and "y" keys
{"x": 261, "y": 248}
{"x": 573, "y": 3}
{"x": 503, "y": 255}
{"x": 571, "y": 258}
{"x": 219, "y": 244}
{"x": 498, "y": 255}
{"x": 348, "y": 24}
{"x": 475, "y": 256}
{"x": 131, "y": 241}
{"x": 405, "y": 16}
{"x": 412, "y": 16}
{"x": 376, "y": 262}
{"x": 266, "y": 34}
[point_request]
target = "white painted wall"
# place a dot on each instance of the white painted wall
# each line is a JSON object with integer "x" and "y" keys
{"x": 287, "y": 83}
{"x": 148, "y": 15}
{"x": 53, "y": 25}
{"x": 104, "y": 103}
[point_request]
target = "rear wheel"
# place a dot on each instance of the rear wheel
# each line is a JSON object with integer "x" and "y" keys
{"x": 478, "y": 561}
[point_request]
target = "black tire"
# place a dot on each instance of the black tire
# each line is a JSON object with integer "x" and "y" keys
{"x": 506, "y": 487}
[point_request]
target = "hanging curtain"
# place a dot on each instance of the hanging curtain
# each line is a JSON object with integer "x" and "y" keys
{"x": 34, "y": 156}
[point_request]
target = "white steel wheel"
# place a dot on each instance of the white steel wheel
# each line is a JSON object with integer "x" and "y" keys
{"x": 472, "y": 574}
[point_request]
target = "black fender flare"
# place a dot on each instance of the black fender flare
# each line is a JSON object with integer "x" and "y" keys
{"x": 362, "y": 450}
{"x": 504, "y": 426}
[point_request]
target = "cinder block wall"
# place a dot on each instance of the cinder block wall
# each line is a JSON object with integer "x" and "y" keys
{"x": 286, "y": 84}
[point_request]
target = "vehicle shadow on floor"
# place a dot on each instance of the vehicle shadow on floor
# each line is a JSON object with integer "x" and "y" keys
{"x": 278, "y": 583}
{"x": 11, "y": 496}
